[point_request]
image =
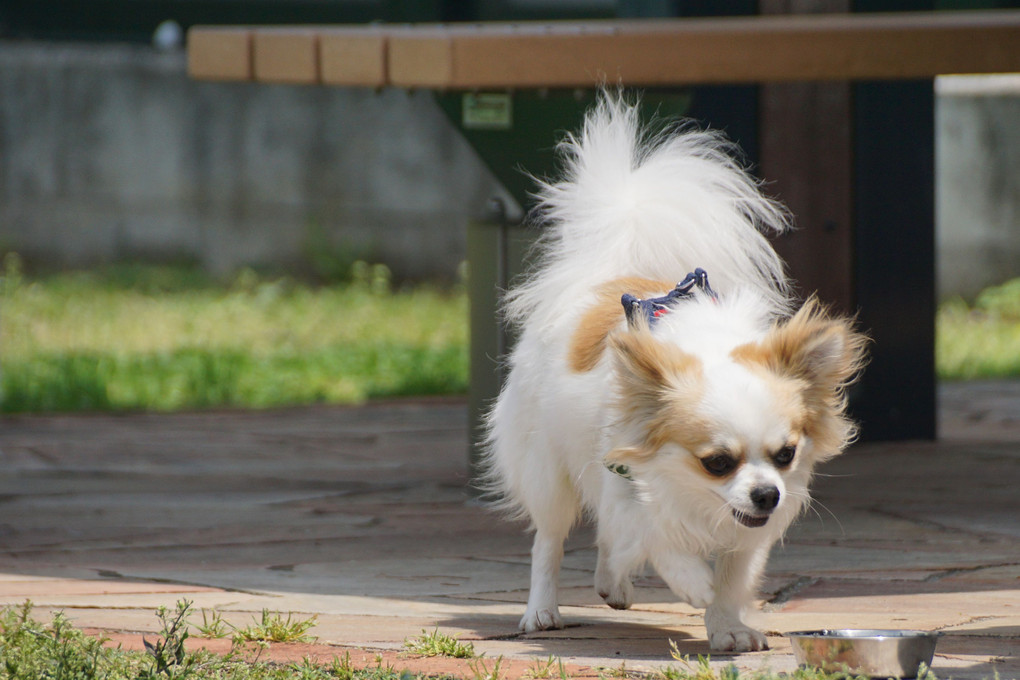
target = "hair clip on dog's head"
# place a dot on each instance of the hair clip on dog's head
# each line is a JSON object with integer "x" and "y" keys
{"x": 652, "y": 308}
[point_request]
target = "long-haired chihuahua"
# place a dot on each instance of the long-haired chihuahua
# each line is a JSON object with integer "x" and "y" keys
{"x": 685, "y": 418}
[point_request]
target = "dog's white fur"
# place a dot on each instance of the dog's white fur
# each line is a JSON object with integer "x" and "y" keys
{"x": 739, "y": 377}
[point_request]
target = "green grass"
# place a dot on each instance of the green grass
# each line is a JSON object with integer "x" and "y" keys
{"x": 213, "y": 625}
{"x": 30, "y": 649}
{"x": 980, "y": 340}
{"x": 551, "y": 667}
{"x": 439, "y": 644}
{"x": 274, "y": 628}
{"x": 166, "y": 338}
{"x": 169, "y": 338}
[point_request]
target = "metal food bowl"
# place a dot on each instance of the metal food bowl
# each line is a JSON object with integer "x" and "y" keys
{"x": 877, "y": 653}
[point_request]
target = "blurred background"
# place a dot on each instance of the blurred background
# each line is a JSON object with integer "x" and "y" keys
{"x": 118, "y": 173}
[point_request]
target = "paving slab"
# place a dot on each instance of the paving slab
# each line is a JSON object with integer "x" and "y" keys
{"x": 362, "y": 518}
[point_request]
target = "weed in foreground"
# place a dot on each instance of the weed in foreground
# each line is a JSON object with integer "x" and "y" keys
{"x": 274, "y": 628}
{"x": 213, "y": 626}
{"x": 169, "y": 659}
{"x": 699, "y": 670}
{"x": 30, "y": 650}
{"x": 342, "y": 668}
{"x": 439, "y": 644}
{"x": 481, "y": 670}
{"x": 550, "y": 668}
{"x": 618, "y": 673}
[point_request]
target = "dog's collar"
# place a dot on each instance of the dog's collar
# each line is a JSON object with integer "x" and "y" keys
{"x": 652, "y": 308}
{"x": 621, "y": 470}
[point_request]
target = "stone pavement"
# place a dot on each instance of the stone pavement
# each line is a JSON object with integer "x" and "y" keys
{"x": 359, "y": 516}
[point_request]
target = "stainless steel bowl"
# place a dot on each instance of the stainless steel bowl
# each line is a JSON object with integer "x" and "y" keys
{"x": 878, "y": 653}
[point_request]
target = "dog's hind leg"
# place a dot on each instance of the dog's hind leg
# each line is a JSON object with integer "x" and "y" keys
{"x": 552, "y": 523}
{"x": 543, "y": 611}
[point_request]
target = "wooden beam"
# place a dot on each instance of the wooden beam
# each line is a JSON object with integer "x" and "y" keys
{"x": 695, "y": 51}
{"x": 286, "y": 55}
{"x": 660, "y": 52}
{"x": 424, "y": 58}
{"x": 219, "y": 53}
{"x": 353, "y": 57}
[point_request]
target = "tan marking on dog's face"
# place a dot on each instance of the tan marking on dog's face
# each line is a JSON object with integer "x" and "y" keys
{"x": 589, "y": 341}
{"x": 667, "y": 396}
{"x": 711, "y": 445}
{"x": 679, "y": 421}
{"x": 808, "y": 362}
{"x": 804, "y": 365}
{"x": 660, "y": 387}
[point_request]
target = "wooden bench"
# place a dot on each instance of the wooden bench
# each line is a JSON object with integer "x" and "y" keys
{"x": 841, "y": 108}
{"x": 646, "y": 53}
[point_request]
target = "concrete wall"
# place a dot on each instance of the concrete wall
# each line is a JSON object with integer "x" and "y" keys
{"x": 111, "y": 152}
{"x": 977, "y": 175}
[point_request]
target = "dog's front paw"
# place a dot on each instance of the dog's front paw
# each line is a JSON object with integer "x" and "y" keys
{"x": 727, "y": 633}
{"x": 541, "y": 619}
{"x": 739, "y": 638}
{"x": 742, "y": 639}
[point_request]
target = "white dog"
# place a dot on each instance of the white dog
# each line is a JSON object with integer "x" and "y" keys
{"x": 684, "y": 422}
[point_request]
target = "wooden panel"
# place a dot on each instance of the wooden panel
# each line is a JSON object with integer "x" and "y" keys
{"x": 806, "y": 158}
{"x": 691, "y": 51}
{"x": 352, "y": 57}
{"x": 639, "y": 53}
{"x": 219, "y": 53}
{"x": 894, "y": 263}
{"x": 286, "y": 55}
{"x": 422, "y": 58}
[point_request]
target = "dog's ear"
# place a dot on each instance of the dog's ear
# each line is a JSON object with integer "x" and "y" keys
{"x": 659, "y": 386}
{"x": 824, "y": 351}
{"x": 823, "y": 354}
{"x": 649, "y": 369}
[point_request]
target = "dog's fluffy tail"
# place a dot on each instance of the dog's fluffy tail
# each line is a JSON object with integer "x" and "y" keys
{"x": 631, "y": 202}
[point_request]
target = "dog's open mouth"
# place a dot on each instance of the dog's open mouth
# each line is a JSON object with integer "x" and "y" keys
{"x": 750, "y": 520}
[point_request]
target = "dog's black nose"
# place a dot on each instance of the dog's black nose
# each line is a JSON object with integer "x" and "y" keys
{"x": 765, "y": 498}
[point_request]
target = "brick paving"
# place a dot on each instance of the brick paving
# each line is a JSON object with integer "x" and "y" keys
{"x": 359, "y": 516}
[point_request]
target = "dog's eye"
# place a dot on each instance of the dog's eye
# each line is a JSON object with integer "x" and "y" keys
{"x": 719, "y": 464}
{"x": 784, "y": 456}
